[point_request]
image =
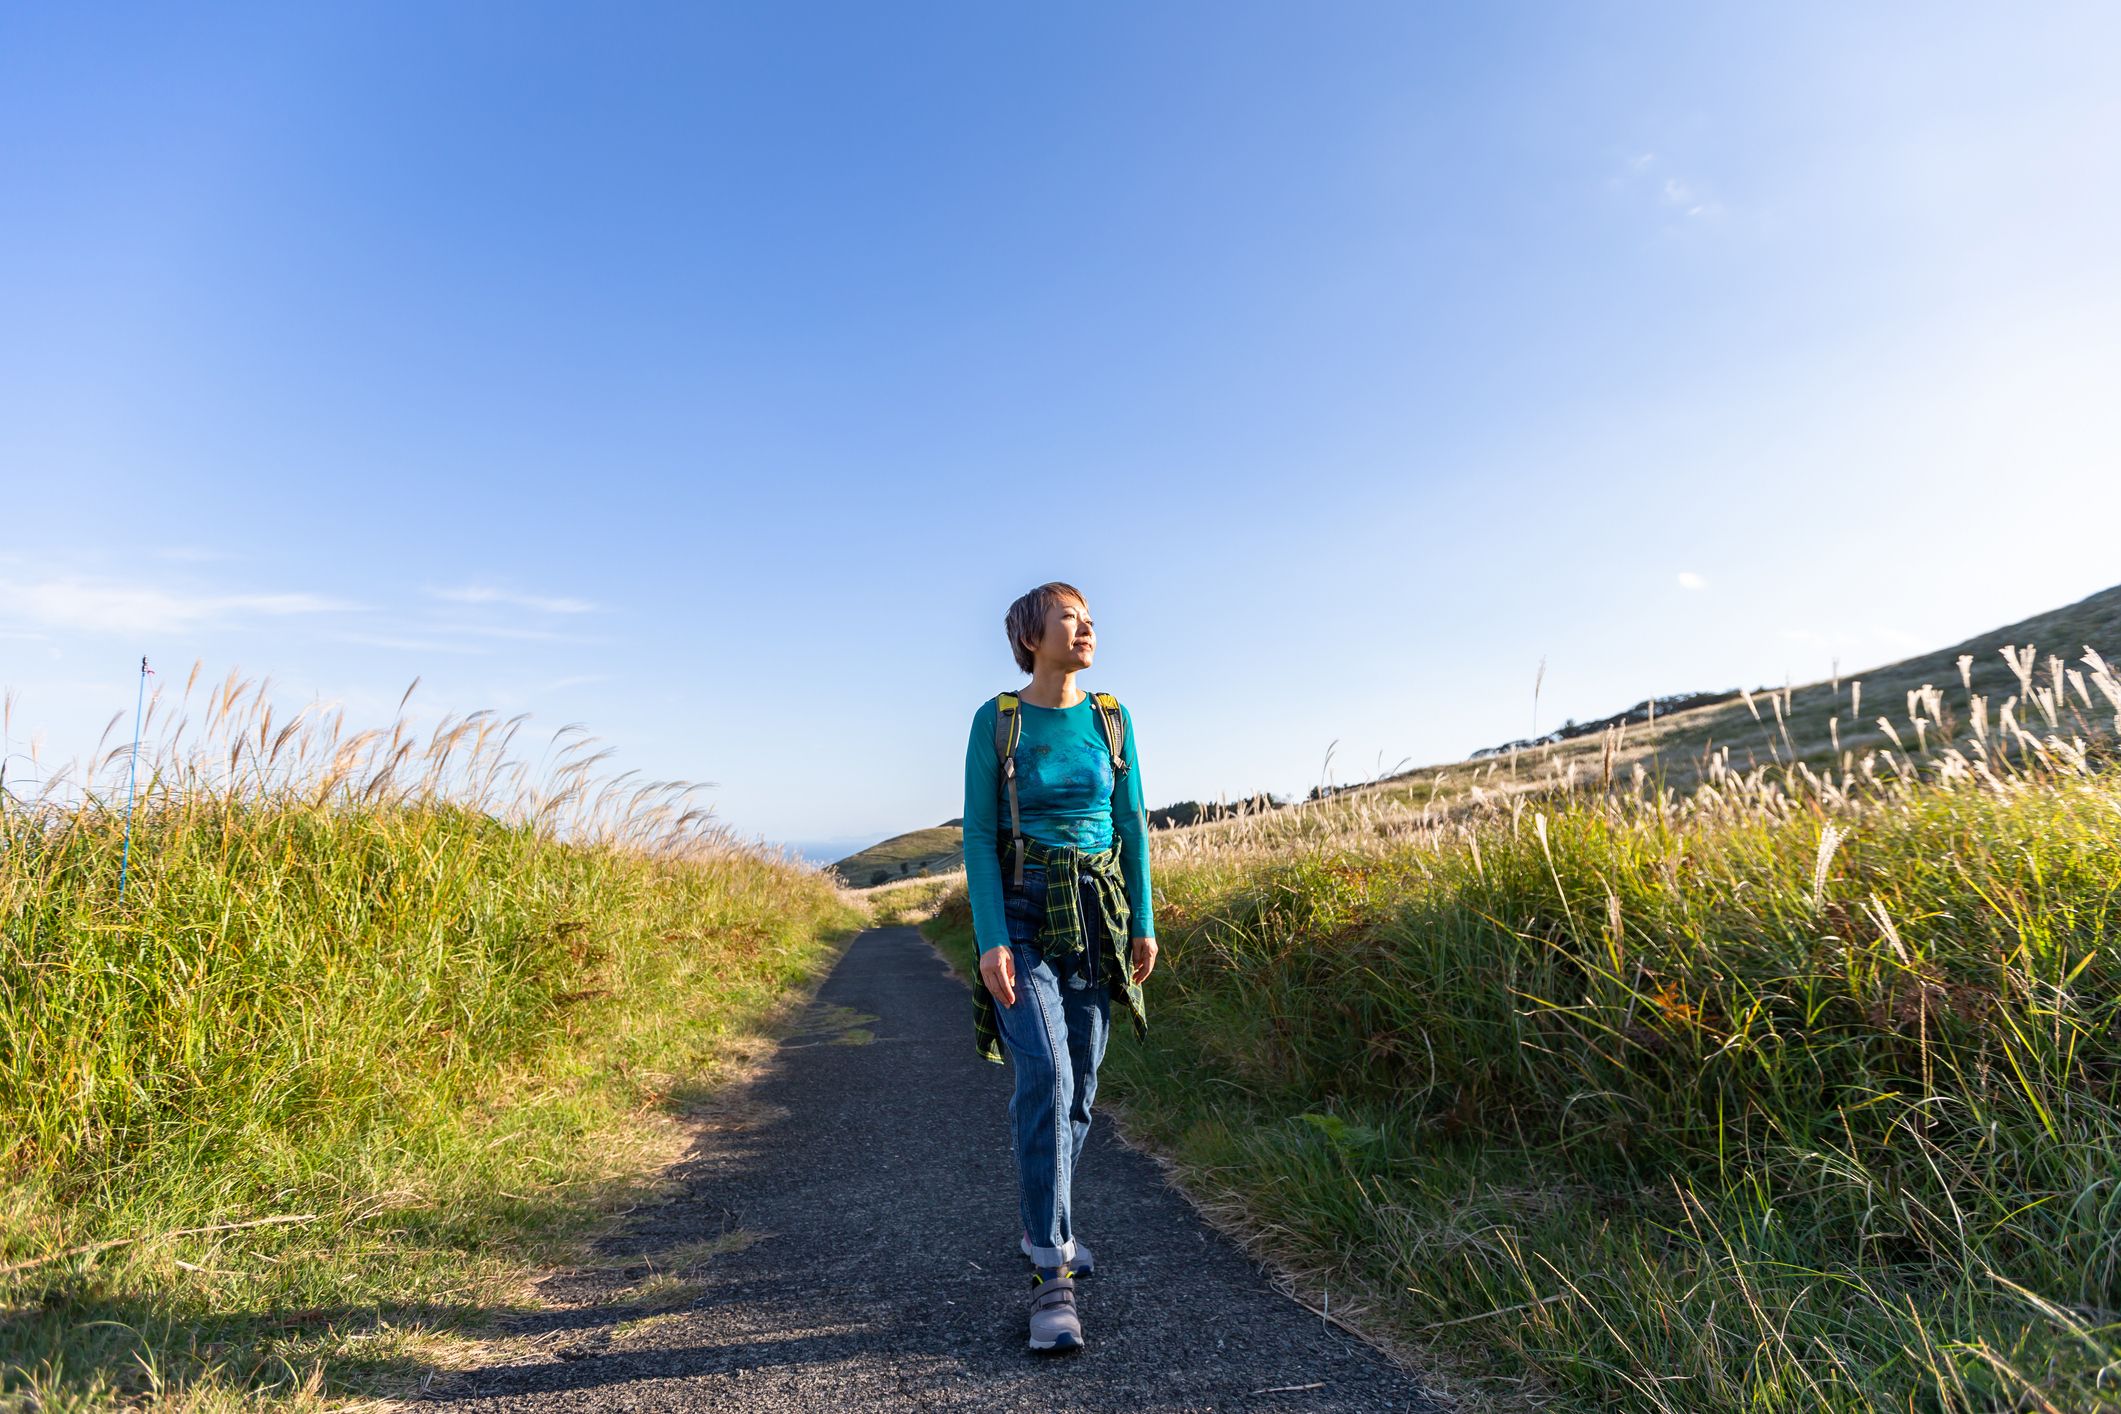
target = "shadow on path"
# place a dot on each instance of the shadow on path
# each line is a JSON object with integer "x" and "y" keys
{"x": 843, "y": 1236}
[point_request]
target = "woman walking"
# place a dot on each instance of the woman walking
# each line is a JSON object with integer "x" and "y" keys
{"x": 1057, "y": 864}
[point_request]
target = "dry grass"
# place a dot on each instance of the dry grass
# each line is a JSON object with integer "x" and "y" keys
{"x": 433, "y": 1009}
{"x": 1791, "y": 1085}
{"x": 910, "y": 900}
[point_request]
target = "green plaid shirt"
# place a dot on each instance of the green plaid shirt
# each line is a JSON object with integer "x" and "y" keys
{"x": 1062, "y": 934}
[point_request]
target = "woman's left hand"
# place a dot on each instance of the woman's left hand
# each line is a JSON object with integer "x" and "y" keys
{"x": 1144, "y": 957}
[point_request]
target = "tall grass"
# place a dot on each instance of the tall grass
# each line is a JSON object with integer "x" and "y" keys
{"x": 378, "y": 1021}
{"x": 1798, "y": 1091}
{"x": 904, "y": 901}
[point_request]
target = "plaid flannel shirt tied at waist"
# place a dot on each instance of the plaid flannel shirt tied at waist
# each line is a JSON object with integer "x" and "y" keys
{"x": 1063, "y": 934}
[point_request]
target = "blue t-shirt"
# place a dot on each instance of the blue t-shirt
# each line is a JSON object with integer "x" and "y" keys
{"x": 1065, "y": 794}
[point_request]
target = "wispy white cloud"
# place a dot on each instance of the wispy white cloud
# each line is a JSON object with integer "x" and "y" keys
{"x": 102, "y": 607}
{"x": 1688, "y": 198}
{"x": 508, "y": 631}
{"x": 1690, "y": 580}
{"x": 409, "y": 645}
{"x": 487, "y": 594}
{"x": 1686, "y": 194}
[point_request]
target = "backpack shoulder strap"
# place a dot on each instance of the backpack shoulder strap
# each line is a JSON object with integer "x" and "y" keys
{"x": 1008, "y": 722}
{"x": 1115, "y": 730}
{"x": 1008, "y": 727}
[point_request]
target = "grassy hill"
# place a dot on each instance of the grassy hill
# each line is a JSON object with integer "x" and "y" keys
{"x": 1816, "y": 723}
{"x": 1828, "y": 728}
{"x": 367, "y": 1036}
{"x": 913, "y": 855}
{"x": 1783, "y": 1075}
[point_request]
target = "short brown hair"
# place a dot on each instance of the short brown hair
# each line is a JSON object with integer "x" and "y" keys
{"x": 1027, "y": 617}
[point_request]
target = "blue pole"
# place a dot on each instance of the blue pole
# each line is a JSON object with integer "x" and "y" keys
{"x": 132, "y": 778}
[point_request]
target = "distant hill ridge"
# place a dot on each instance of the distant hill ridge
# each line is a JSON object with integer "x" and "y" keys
{"x": 1645, "y": 711}
{"x": 1818, "y": 723}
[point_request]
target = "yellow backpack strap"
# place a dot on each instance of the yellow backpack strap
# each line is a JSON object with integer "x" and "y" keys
{"x": 1115, "y": 730}
{"x": 1008, "y": 726}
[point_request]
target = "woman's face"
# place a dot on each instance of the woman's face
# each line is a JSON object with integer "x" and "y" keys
{"x": 1071, "y": 638}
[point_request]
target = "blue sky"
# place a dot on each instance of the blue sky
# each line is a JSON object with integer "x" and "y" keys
{"x": 715, "y": 376}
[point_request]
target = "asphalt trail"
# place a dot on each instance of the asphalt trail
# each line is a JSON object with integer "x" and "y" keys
{"x": 864, "y": 1197}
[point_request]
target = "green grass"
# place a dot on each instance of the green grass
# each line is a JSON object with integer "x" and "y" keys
{"x": 425, "y": 1047}
{"x": 1621, "y": 1100}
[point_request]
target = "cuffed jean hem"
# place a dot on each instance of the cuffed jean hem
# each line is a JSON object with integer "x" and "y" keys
{"x": 1053, "y": 1256}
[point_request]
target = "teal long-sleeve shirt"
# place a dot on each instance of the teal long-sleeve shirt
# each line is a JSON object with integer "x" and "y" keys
{"x": 1066, "y": 794}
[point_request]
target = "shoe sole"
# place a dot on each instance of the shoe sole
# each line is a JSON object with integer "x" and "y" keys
{"x": 1061, "y": 1345}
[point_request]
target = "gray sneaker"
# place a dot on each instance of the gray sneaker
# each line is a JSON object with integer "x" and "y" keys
{"x": 1082, "y": 1264}
{"x": 1054, "y": 1325}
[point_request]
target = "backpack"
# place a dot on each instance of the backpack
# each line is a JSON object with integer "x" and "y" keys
{"x": 1009, "y": 725}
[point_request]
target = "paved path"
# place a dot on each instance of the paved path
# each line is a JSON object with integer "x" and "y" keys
{"x": 860, "y": 1202}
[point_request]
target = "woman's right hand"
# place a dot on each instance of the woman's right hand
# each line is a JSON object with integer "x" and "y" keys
{"x": 997, "y": 968}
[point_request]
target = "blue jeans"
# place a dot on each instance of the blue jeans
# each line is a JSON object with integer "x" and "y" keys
{"x": 1055, "y": 1036}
